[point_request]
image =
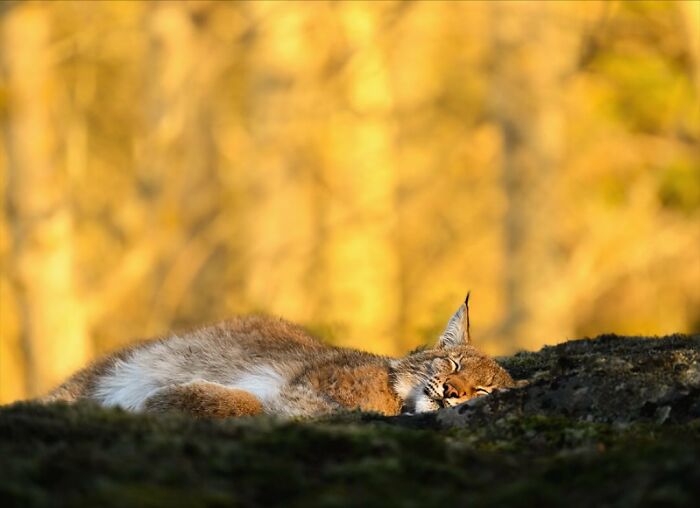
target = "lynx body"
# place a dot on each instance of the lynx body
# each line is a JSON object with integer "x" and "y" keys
{"x": 254, "y": 365}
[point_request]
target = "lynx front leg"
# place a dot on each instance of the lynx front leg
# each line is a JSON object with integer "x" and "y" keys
{"x": 204, "y": 400}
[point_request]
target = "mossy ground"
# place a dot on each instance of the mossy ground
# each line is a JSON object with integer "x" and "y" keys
{"x": 83, "y": 455}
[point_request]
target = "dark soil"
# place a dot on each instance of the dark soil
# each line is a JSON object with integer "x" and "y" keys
{"x": 606, "y": 422}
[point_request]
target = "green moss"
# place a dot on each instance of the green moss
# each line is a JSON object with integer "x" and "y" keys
{"x": 507, "y": 454}
{"x": 83, "y": 455}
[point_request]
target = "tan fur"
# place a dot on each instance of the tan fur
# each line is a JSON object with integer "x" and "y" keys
{"x": 255, "y": 364}
{"x": 83, "y": 381}
{"x": 364, "y": 387}
{"x": 204, "y": 400}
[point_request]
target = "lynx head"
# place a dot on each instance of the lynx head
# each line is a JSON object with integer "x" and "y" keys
{"x": 450, "y": 373}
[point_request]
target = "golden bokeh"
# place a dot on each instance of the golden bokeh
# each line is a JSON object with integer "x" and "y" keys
{"x": 353, "y": 166}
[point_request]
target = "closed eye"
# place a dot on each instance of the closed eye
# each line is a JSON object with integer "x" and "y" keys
{"x": 455, "y": 365}
{"x": 480, "y": 390}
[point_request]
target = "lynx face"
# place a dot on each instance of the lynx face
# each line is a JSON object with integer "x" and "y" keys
{"x": 458, "y": 376}
{"x": 451, "y": 373}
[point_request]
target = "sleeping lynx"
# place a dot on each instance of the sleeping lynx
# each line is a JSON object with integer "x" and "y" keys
{"x": 253, "y": 365}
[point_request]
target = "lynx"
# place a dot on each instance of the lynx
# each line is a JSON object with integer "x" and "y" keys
{"x": 254, "y": 365}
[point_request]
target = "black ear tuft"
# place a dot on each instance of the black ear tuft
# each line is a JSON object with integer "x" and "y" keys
{"x": 466, "y": 305}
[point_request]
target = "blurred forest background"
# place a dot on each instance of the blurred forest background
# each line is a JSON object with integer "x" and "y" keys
{"x": 352, "y": 166}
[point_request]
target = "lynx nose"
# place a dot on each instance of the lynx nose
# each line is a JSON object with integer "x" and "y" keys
{"x": 450, "y": 391}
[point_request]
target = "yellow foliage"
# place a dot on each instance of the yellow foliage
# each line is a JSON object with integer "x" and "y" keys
{"x": 354, "y": 166}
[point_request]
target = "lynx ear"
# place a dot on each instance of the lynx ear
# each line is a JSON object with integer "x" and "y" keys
{"x": 457, "y": 331}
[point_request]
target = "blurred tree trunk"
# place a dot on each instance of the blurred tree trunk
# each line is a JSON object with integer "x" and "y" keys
{"x": 361, "y": 249}
{"x": 690, "y": 11}
{"x": 281, "y": 230}
{"x": 53, "y": 324}
{"x": 533, "y": 49}
{"x": 177, "y": 158}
